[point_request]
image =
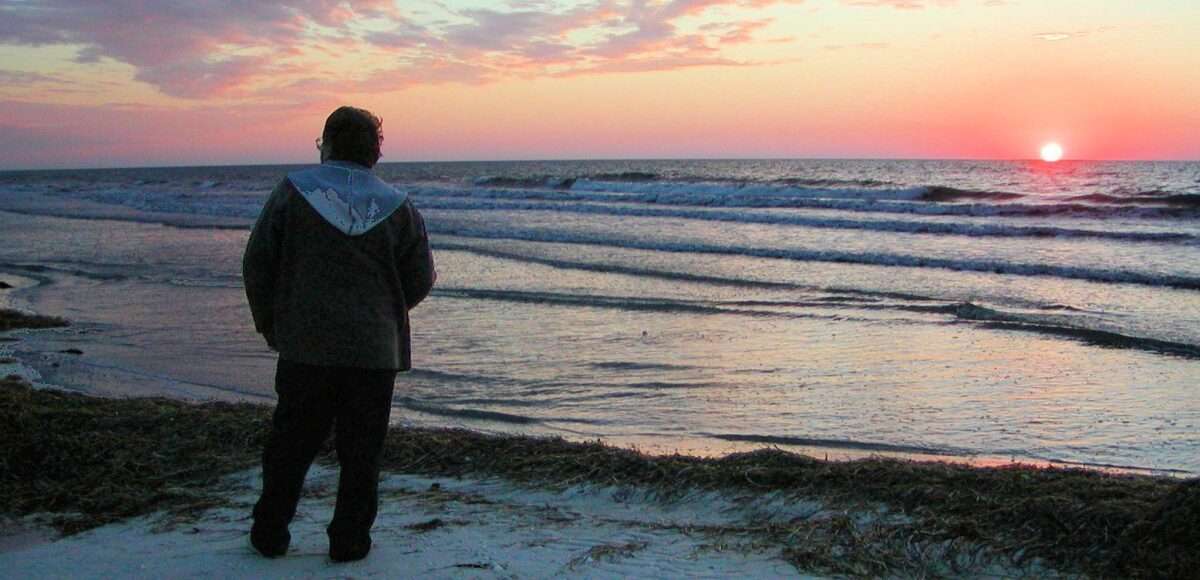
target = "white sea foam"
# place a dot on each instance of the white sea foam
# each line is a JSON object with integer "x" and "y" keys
{"x": 901, "y": 201}
{"x": 794, "y": 219}
{"x": 709, "y": 192}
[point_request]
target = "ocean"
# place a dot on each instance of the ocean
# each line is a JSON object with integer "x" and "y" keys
{"x": 982, "y": 311}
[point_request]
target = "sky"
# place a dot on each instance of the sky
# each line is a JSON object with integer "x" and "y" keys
{"x": 191, "y": 82}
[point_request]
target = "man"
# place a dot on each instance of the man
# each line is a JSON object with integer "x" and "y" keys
{"x": 334, "y": 264}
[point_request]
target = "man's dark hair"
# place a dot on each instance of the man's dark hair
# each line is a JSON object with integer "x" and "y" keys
{"x": 352, "y": 134}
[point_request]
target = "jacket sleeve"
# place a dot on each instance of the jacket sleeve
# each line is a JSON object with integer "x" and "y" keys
{"x": 414, "y": 260}
{"x": 260, "y": 263}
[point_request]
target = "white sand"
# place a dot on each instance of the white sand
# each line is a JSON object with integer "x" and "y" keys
{"x": 490, "y": 529}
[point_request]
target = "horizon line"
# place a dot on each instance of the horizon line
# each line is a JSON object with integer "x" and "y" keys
{"x": 605, "y": 159}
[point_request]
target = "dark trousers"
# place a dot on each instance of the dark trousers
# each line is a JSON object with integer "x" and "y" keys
{"x": 354, "y": 402}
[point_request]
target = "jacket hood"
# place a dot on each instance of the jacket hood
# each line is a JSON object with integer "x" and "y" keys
{"x": 348, "y": 195}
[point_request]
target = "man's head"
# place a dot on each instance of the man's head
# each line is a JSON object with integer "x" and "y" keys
{"x": 352, "y": 134}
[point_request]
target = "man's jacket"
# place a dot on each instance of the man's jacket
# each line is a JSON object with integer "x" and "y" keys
{"x": 334, "y": 264}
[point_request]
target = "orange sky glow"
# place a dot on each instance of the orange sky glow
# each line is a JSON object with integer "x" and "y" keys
{"x": 131, "y": 83}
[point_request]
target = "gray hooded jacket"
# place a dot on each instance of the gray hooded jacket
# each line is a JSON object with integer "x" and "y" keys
{"x": 334, "y": 264}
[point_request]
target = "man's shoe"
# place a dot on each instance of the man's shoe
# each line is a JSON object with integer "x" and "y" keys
{"x": 349, "y": 551}
{"x": 270, "y": 543}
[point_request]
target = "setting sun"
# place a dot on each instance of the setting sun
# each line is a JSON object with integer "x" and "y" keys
{"x": 1051, "y": 152}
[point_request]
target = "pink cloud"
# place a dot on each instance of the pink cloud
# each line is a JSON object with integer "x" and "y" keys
{"x": 642, "y": 36}
{"x": 183, "y": 47}
{"x": 741, "y": 32}
{"x": 1053, "y": 36}
{"x": 1060, "y": 35}
{"x": 174, "y": 41}
{"x": 669, "y": 62}
{"x": 862, "y": 45}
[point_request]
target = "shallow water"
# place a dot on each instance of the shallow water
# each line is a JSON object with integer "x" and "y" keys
{"x": 1031, "y": 312}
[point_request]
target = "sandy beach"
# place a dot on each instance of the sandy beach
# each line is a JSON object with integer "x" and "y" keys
{"x": 429, "y": 528}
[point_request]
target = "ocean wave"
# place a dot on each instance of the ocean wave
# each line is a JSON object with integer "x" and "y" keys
{"x": 841, "y": 302}
{"x": 711, "y": 191}
{"x": 459, "y": 378}
{"x": 1073, "y": 327}
{"x": 477, "y": 414}
{"x": 897, "y": 201}
{"x": 614, "y": 268}
{"x": 832, "y": 182}
{"x": 1105, "y": 275}
{"x": 36, "y": 270}
{"x": 481, "y": 414}
{"x": 530, "y": 181}
{"x": 675, "y": 306}
{"x": 1142, "y": 198}
{"x": 943, "y": 193}
{"x": 628, "y": 303}
{"x": 846, "y": 444}
{"x": 638, "y": 366}
{"x": 629, "y": 176}
{"x": 1066, "y": 328}
{"x": 1103, "y": 198}
{"x": 1181, "y": 199}
{"x": 560, "y": 181}
{"x": 733, "y": 216}
{"x": 849, "y": 294}
{"x": 933, "y": 450}
{"x": 673, "y": 385}
{"x": 173, "y": 213}
{"x": 941, "y": 199}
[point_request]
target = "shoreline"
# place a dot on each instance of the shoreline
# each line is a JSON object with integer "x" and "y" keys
{"x": 847, "y": 451}
{"x": 866, "y": 517}
{"x": 964, "y": 412}
{"x": 64, "y": 356}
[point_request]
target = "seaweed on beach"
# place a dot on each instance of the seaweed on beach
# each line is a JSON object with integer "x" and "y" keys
{"x": 1166, "y": 544}
{"x": 1073, "y": 519}
{"x": 93, "y": 461}
{"x": 13, "y": 319}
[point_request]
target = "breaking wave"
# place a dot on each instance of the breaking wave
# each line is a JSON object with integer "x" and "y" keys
{"x": 793, "y": 219}
{"x": 933, "y": 201}
{"x": 1065, "y": 327}
{"x": 480, "y": 414}
{"x": 1143, "y": 198}
{"x": 1082, "y": 328}
{"x": 841, "y": 444}
{"x": 1093, "y": 274}
{"x": 535, "y": 181}
{"x": 943, "y": 193}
